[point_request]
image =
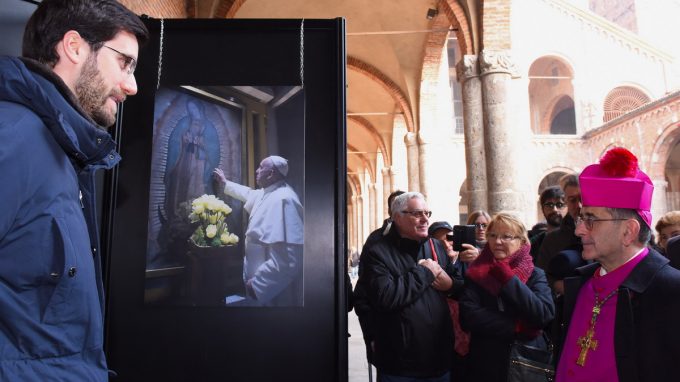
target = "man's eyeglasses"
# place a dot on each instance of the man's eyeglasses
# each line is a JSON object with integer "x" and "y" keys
{"x": 418, "y": 213}
{"x": 505, "y": 238}
{"x": 480, "y": 225}
{"x": 589, "y": 220}
{"x": 551, "y": 205}
{"x": 129, "y": 63}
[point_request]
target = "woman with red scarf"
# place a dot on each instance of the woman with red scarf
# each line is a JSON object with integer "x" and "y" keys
{"x": 505, "y": 299}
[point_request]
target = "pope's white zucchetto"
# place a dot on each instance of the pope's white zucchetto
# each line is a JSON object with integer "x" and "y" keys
{"x": 281, "y": 164}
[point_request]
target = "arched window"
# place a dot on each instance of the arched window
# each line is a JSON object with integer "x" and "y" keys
{"x": 563, "y": 119}
{"x": 622, "y": 100}
{"x": 551, "y": 96}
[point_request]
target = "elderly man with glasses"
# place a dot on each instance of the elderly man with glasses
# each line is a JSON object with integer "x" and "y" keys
{"x": 621, "y": 312}
{"x": 406, "y": 278}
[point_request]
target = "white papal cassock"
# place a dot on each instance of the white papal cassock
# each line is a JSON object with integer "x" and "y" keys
{"x": 273, "y": 242}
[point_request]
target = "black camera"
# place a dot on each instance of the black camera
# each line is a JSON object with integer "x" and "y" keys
{"x": 462, "y": 234}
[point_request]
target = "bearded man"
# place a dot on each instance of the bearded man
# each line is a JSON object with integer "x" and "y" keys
{"x": 56, "y": 103}
{"x": 554, "y": 209}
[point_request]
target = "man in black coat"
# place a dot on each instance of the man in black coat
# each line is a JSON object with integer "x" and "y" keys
{"x": 406, "y": 278}
{"x": 359, "y": 300}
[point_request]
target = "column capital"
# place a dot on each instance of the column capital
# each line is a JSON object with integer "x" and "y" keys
{"x": 411, "y": 139}
{"x": 497, "y": 61}
{"x": 467, "y": 68}
{"x": 386, "y": 171}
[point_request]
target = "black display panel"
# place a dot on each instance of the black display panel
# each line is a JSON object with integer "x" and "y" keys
{"x": 170, "y": 317}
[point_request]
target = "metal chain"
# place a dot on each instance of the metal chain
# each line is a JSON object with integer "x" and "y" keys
{"x": 302, "y": 53}
{"x": 160, "y": 57}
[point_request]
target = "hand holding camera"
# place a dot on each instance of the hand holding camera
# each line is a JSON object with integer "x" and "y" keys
{"x": 469, "y": 254}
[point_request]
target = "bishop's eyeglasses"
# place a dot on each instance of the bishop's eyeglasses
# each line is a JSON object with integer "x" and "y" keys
{"x": 588, "y": 221}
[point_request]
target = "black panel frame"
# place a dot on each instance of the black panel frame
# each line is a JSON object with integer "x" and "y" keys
{"x": 170, "y": 343}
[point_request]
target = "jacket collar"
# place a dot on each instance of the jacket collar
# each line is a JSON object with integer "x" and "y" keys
{"x": 639, "y": 278}
{"x": 407, "y": 245}
{"x": 39, "y": 89}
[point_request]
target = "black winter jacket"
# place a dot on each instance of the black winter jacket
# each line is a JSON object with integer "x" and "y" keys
{"x": 410, "y": 321}
{"x": 491, "y": 322}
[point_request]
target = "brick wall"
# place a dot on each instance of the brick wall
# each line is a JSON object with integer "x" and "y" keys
{"x": 172, "y": 9}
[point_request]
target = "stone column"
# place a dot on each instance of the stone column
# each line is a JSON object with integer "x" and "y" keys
{"x": 413, "y": 162}
{"x": 387, "y": 189}
{"x": 361, "y": 236}
{"x": 659, "y": 200}
{"x": 435, "y": 181}
{"x": 351, "y": 231}
{"x": 372, "y": 207}
{"x": 501, "y": 144}
{"x": 467, "y": 71}
{"x": 352, "y": 219}
{"x": 423, "y": 161}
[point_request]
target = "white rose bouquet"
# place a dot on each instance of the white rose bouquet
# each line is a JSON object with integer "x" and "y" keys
{"x": 212, "y": 231}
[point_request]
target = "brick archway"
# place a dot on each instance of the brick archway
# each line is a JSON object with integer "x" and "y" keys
{"x": 227, "y": 8}
{"x": 390, "y": 86}
{"x": 662, "y": 150}
{"x": 387, "y": 158}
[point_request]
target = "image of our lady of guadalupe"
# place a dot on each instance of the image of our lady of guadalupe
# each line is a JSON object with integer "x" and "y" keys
{"x": 193, "y": 151}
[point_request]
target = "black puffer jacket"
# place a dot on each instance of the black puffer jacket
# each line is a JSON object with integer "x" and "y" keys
{"x": 411, "y": 325}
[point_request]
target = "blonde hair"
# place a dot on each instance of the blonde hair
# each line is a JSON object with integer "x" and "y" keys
{"x": 512, "y": 222}
{"x": 667, "y": 220}
{"x": 473, "y": 216}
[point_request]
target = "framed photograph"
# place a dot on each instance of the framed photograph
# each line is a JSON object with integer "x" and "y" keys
{"x": 208, "y": 247}
{"x": 224, "y": 224}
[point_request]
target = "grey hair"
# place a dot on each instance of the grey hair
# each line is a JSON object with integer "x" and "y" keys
{"x": 399, "y": 203}
{"x": 645, "y": 233}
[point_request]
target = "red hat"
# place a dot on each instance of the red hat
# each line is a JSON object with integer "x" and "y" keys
{"x": 618, "y": 182}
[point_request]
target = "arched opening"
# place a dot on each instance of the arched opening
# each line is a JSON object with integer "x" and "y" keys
{"x": 463, "y": 203}
{"x": 453, "y": 51}
{"x": 672, "y": 175}
{"x": 564, "y": 118}
{"x": 551, "y": 97}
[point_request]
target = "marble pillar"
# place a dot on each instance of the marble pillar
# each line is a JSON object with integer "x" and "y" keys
{"x": 351, "y": 232}
{"x": 373, "y": 207}
{"x": 361, "y": 235}
{"x": 387, "y": 190}
{"x": 475, "y": 159}
{"x": 413, "y": 163}
{"x": 500, "y": 142}
{"x": 354, "y": 220}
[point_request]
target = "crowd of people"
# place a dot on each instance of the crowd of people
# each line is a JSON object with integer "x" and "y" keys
{"x": 590, "y": 286}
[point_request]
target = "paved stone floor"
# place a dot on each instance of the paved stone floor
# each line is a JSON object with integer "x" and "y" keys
{"x": 357, "y": 364}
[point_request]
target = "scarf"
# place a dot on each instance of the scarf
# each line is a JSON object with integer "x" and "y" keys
{"x": 520, "y": 263}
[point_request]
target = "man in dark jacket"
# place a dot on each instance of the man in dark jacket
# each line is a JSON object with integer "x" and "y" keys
{"x": 406, "y": 283}
{"x": 564, "y": 237}
{"x": 622, "y": 312}
{"x": 55, "y": 105}
{"x": 553, "y": 208}
{"x": 359, "y": 299}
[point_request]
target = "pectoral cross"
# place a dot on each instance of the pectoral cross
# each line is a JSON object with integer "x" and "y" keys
{"x": 586, "y": 343}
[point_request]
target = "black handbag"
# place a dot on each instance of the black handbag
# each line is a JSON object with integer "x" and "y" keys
{"x": 531, "y": 364}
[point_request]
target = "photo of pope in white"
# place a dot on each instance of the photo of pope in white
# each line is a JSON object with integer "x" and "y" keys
{"x": 272, "y": 269}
